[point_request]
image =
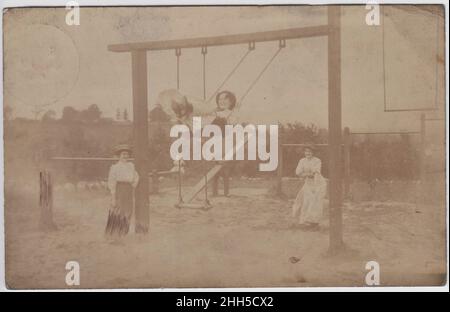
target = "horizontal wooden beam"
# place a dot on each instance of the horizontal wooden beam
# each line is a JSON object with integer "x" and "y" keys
{"x": 434, "y": 119}
{"x": 421, "y": 109}
{"x": 88, "y": 158}
{"x": 389, "y": 132}
{"x": 302, "y": 144}
{"x": 292, "y": 33}
{"x": 162, "y": 173}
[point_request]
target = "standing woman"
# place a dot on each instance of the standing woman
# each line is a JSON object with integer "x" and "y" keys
{"x": 308, "y": 205}
{"x": 122, "y": 181}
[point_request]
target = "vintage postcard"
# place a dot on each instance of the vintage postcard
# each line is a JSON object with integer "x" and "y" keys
{"x": 224, "y": 146}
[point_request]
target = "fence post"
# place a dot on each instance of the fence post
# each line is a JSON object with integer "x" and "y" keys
{"x": 347, "y": 146}
{"x": 46, "y": 201}
{"x": 422, "y": 148}
{"x": 279, "y": 186}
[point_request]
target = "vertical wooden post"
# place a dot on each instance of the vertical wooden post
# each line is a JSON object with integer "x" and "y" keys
{"x": 155, "y": 182}
{"x": 368, "y": 149}
{"x": 279, "y": 181}
{"x": 226, "y": 179}
{"x": 46, "y": 201}
{"x": 422, "y": 147}
{"x": 347, "y": 146}
{"x": 207, "y": 203}
{"x": 180, "y": 197}
{"x": 279, "y": 186}
{"x": 140, "y": 138}
{"x": 368, "y": 157}
{"x": 334, "y": 127}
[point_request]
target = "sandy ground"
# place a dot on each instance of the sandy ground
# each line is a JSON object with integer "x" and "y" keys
{"x": 245, "y": 240}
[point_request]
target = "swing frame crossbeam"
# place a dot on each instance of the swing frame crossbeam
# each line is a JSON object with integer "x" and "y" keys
{"x": 202, "y": 42}
{"x": 331, "y": 31}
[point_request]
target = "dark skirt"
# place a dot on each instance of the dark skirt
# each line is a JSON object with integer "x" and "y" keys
{"x": 119, "y": 216}
{"x": 225, "y": 174}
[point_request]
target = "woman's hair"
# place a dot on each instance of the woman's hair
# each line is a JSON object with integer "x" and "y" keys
{"x": 230, "y": 95}
{"x": 179, "y": 104}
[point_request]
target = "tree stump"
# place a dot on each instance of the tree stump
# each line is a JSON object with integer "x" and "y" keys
{"x": 46, "y": 201}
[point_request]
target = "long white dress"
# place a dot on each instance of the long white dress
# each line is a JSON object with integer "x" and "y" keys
{"x": 308, "y": 205}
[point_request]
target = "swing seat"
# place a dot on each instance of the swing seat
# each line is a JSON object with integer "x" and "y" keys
{"x": 204, "y": 206}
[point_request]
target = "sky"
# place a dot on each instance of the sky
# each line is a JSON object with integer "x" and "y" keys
{"x": 49, "y": 64}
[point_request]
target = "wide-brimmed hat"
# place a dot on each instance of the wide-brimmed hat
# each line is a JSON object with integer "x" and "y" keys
{"x": 122, "y": 148}
{"x": 311, "y": 147}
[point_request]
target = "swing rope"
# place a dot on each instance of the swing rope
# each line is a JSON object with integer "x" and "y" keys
{"x": 251, "y": 47}
{"x": 204, "y": 52}
{"x": 178, "y": 54}
{"x": 281, "y": 45}
{"x": 384, "y": 56}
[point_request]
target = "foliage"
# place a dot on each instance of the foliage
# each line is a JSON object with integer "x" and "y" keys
{"x": 89, "y": 115}
{"x": 31, "y": 142}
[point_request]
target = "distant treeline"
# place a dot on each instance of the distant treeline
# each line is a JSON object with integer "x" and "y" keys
{"x": 383, "y": 158}
{"x": 29, "y": 142}
{"x": 91, "y": 114}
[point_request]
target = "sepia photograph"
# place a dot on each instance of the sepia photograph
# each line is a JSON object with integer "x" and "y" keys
{"x": 215, "y": 146}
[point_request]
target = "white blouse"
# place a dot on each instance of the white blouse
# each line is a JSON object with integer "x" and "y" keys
{"x": 227, "y": 114}
{"x": 122, "y": 172}
{"x": 308, "y": 166}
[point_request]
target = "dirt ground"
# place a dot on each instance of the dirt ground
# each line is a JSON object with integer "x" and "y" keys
{"x": 245, "y": 240}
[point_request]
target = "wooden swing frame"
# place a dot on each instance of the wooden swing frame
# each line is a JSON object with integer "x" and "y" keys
{"x": 138, "y": 51}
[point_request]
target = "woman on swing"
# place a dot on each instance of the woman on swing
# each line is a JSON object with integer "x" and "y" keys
{"x": 226, "y": 102}
{"x": 308, "y": 205}
{"x": 221, "y": 116}
{"x": 183, "y": 110}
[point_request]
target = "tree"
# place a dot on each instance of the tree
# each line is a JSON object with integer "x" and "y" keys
{"x": 37, "y": 110}
{"x": 49, "y": 116}
{"x": 91, "y": 114}
{"x": 157, "y": 114}
{"x": 70, "y": 114}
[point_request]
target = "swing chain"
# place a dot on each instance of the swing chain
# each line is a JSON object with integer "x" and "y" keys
{"x": 178, "y": 54}
{"x": 281, "y": 45}
{"x": 204, "y": 52}
{"x": 231, "y": 73}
